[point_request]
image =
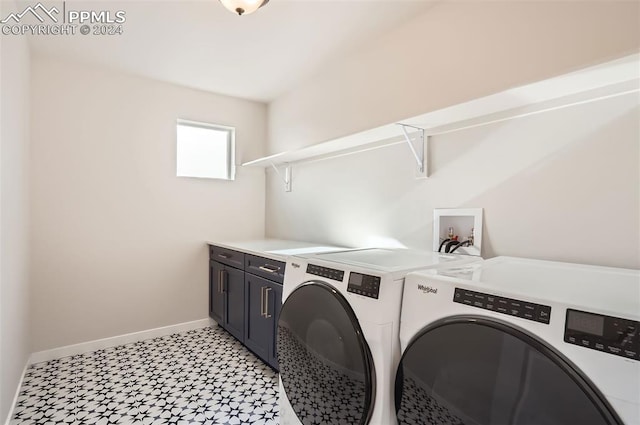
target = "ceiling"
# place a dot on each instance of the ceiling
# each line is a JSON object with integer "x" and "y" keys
{"x": 200, "y": 44}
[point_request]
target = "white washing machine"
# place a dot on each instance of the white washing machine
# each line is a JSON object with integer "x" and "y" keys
{"x": 338, "y": 333}
{"x": 519, "y": 341}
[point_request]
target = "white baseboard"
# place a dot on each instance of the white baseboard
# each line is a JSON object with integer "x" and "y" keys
{"x": 15, "y": 397}
{"x": 99, "y": 344}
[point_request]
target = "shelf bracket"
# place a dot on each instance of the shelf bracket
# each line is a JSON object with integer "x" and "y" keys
{"x": 286, "y": 178}
{"x": 420, "y": 154}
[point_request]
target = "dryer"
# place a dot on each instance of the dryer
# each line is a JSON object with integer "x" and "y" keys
{"x": 520, "y": 341}
{"x": 338, "y": 333}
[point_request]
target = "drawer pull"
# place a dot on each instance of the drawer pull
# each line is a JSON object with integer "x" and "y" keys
{"x": 275, "y": 269}
{"x": 225, "y": 256}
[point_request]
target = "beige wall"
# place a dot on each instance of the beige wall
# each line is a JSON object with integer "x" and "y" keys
{"x": 548, "y": 183}
{"x": 562, "y": 185}
{"x": 118, "y": 241}
{"x": 14, "y": 229}
{"x": 454, "y": 52}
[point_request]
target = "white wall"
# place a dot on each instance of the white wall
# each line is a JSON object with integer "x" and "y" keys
{"x": 454, "y": 52}
{"x": 562, "y": 185}
{"x": 14, "y": 226}
{"x": 118, "y": 241}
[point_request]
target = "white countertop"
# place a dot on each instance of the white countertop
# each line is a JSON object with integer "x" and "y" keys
{"x": 276, "y": 249}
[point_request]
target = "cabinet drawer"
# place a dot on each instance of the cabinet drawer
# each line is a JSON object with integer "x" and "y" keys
{"x": 264, "y": 267}
{"x": 227, "y": 256}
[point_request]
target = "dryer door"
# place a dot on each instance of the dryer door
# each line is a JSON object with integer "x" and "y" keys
{"x": 472, "y": 370}
{"x": 325, "y": 363}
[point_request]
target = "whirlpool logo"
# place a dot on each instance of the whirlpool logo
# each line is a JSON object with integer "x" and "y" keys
{"x": 427, "y": 289}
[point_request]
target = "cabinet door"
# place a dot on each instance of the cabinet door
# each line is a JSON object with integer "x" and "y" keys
{"x": 274, "y": 298}
{"x": 216, "y": 297}
{"x": 257, "y": 327}
{"x": 234, "y": 307}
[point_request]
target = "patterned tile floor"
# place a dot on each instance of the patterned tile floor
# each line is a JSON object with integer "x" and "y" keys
{"x": 203, "y": 376}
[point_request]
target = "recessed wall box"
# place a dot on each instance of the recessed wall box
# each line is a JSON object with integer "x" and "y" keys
{"x": 453, "y": 226}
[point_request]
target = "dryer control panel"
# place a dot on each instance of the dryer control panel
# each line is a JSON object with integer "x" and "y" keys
{"x": 612, "y": 335}
{"x": 523, "y": 309}
{"x": 332, "y": 274}
{"x": 364, "y": 284}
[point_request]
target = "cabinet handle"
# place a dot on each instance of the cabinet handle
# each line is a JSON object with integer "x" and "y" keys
{"x": 225, "y": 256}
{"x": 262, "y": 313}
{"x": 223, "y": 281}
{"x": 266, "y": 303}
{"x": 269, "y": 269}
{"x": 219, "y": 281}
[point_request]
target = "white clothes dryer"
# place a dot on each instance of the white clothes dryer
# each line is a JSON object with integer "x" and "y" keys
{"x": 338, "y": 333}
{"x": 519, "y": 341}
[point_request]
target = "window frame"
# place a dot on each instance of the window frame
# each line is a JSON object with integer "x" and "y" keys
{"x": 230, "y": 147}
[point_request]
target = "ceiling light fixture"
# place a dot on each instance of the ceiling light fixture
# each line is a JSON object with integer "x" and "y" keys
{"x": 243, "y": 7}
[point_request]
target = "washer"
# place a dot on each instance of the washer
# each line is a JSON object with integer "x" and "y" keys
{"x": 520, "y": 341}
{"x": 338, "y": 333}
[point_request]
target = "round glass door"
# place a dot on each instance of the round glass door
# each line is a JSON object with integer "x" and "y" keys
{"x": 325, "y": 363}
{"x": 477, "y": 371}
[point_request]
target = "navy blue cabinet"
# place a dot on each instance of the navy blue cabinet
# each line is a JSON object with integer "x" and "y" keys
{"x": 233, "y": 291}
{"x": 263, "y": 304}
{"x": 263, "y": 284}
{"x": 226, "y": 290}
{"x": 245, "y": 298}
{"x": 257, "y": 329}
{"x": 216, "y": 299}
{"x": 277, "y": 306}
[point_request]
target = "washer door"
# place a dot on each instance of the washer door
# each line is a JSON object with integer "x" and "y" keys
{"x": 472, "y": 370}
{"x": 325, "y": 363}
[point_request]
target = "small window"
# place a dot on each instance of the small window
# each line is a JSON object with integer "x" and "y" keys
{"x": 205, "y": 150}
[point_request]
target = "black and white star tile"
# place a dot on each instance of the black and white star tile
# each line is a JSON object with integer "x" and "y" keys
{"x": 318, "y": 391}
{"x": 204, "y": 376}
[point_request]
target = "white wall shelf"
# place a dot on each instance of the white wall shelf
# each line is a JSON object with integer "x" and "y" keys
{"x": 611, "y": 79}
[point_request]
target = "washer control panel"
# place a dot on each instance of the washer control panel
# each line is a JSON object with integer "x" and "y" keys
{"x": 364, "y": 284}
{"x": 612, "y": 335}
{"x": 523, "y": 309}
{"x": 332, "y": 274}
